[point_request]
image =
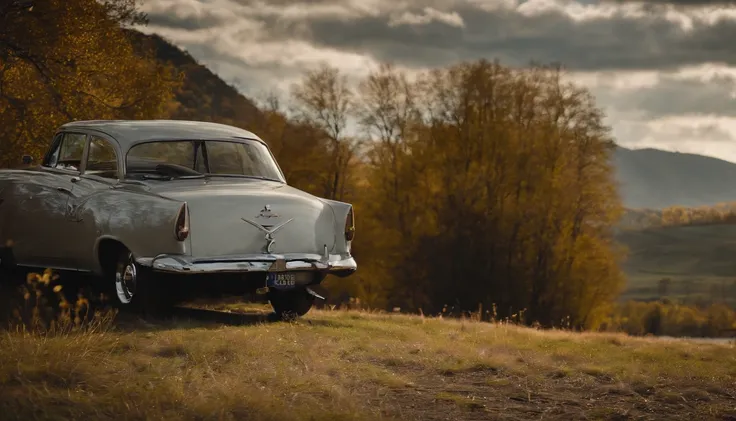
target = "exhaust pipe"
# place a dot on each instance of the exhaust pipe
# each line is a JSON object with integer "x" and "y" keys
{"x": 311, "y": 292}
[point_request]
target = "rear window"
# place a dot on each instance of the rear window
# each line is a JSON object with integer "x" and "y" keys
{"x": 214, "y": 157}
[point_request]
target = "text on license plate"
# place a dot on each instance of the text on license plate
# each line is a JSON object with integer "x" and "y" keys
{"x": 283, "y": 280}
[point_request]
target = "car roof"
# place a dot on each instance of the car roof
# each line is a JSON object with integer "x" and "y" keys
{"x": 131, "y": 132}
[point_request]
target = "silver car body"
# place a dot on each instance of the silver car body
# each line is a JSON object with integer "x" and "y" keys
{"x": 66, "y": 219}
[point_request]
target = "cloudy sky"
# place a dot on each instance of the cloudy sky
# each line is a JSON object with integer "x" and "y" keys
{"x": 664, "y": 71}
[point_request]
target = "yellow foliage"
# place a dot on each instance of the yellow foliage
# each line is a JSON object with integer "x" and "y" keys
{"x": 670, "y": 319}
{"x": 474, "y": 198}
{"x": 45, "y": 309}
{"x": 65, "y": 60}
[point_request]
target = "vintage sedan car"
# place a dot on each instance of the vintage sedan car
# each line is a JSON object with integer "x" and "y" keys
{"x": 158, "y": 208}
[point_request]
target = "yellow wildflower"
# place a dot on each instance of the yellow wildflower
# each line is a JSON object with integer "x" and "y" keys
{"x": 82, "y": 302}
{"x": 31, "y": 277}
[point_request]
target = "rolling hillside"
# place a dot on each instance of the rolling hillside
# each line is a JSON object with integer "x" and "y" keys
{"x": 699, "y": 261}
{"x": 652, "y": 178}
{"x": 692, "y": 264}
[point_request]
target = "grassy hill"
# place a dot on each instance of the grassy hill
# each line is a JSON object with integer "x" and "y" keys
{"x": 700, "y": 262}
{"x": 336, "y": 365}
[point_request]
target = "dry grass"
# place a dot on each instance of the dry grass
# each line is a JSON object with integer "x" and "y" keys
{"x": 335, "y": 365}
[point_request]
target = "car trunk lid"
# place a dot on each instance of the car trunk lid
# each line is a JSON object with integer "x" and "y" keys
{"x": 242, "y": 217}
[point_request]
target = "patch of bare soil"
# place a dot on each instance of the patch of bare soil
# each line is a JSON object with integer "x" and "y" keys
{"x": 485, "y": 393}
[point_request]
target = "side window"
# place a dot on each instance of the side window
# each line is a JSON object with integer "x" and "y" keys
{"x": 53, "y": 157}
{"x": 101, "y": 160}
{"x": 67, "y": 152}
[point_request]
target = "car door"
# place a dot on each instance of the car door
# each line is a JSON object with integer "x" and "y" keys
{"x": 43, "y": 210}
{"x": 87, "y": 202}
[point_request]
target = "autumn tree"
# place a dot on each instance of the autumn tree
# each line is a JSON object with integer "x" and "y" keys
{"x": 386, "y": 113}
{"x": 299, "y": 147}
{"x": 324, "y": 99}
{"x": 63, "y": 60}
{"x": 507, "y": 195}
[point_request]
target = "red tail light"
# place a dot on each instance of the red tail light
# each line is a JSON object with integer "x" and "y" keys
{"x": 182, "y": 223}
{"x": 350, "y": 225}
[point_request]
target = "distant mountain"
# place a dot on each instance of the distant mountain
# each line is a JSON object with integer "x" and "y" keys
{"x": 652, "y": 178}
{"x": 203, "y": 95}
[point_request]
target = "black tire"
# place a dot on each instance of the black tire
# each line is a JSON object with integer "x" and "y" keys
{"x": 136, "y": 288}
{"x": 290, "y": 304}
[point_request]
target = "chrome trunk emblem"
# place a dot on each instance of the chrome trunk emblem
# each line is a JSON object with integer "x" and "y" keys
{"x": 269, "y": 232}
{"x": 266, "y": 213}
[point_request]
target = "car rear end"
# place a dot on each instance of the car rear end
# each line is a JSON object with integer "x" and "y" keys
{"x": 252, "y": 234}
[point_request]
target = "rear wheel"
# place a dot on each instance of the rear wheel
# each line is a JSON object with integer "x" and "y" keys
{"x": 290, "y": 304}
{"x": 136, "y": 288}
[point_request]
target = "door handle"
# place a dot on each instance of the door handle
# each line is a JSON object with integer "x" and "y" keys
{"x": 64, "y": 190}
{"x": 75, "y": 179}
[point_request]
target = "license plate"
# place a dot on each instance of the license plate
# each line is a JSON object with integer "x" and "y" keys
{"x": 281, "y": 280}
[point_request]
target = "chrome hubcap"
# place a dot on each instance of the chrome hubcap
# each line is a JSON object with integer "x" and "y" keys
{"x": 125, "y": 283}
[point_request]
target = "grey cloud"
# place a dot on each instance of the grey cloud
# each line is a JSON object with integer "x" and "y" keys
{"x": 703, "y": 132}
{"x": 614, "y": 43}
{"x": 429, "y": 15}
{"x": 184, "y": 16}
{"x": 674, "y": 96}
{"x": 619, "y": 42}
{"x": 171, "y": 21}
{"x": 684, "y": 3}
{"x": 251, "y": 79}
{"x": 637, "y": 134}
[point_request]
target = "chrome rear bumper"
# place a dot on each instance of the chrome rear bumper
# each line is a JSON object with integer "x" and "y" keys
{"x": 339, "y": 265}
